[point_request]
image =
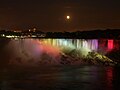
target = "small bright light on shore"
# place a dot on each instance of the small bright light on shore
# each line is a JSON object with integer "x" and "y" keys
{"x": 68, "y": 17}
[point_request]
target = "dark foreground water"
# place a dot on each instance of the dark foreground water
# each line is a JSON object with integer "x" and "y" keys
{"x": 60, "y": 78}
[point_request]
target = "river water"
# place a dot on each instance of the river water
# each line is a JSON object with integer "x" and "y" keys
{"x": 60, "y": 78}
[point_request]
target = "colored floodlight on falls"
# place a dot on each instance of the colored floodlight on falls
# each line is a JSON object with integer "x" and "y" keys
{"x": 110, "y": 44}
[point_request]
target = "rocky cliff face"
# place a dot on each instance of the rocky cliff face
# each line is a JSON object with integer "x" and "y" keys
{"x": 4, "y": 55}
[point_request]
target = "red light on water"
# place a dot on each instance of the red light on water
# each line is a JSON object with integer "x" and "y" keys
{"x": 109, "y": 77}
{"x": 110, "y": 44}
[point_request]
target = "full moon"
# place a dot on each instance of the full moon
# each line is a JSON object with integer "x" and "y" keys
{"x": 68, "y": 17}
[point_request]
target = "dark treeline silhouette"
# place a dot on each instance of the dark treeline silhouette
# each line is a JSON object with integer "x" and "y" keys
{"x": 93, "y": 34}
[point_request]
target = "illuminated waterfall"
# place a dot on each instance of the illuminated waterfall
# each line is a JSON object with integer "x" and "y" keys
{"x": 76, "y": 43}
{"x": 82, "y": 45}
{"x": 51, "y": 50}
{"x": 110, "y": 45}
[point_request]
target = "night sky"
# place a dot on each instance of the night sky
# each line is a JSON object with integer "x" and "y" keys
{"x": 50, "y": 15}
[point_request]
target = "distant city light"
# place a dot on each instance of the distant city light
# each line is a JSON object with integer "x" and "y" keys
{"x": 3, "y": 35}
{"x": 68, "y": 17}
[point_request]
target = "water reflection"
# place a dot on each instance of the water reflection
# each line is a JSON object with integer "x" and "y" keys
{"x": 109, "y": 77}
{"x": 65, "y": 77}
